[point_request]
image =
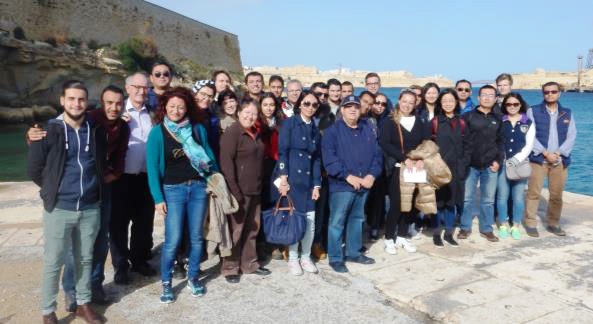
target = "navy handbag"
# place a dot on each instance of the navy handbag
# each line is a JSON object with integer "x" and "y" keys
{"x": 284, "y": 225}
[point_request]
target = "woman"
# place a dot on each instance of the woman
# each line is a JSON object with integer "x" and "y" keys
{"x": 227, "y": 112}
{"x": 402, "y": 134}
{"x": 299, "y": 169}
{"x": 204, "y": 91}
{"x": 448, "y": 130}
{"x": 178, "y": 160}
{"x": 241, "y": 160}
{"x": 519, "y": 136}
{"x": 430, "y": 93}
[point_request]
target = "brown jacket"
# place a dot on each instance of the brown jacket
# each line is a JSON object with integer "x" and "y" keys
{"x": 241, "y": 161}
{"x": 221, "y": 203}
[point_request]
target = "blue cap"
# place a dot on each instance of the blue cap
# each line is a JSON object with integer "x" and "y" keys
{"x": 350, "y": 100}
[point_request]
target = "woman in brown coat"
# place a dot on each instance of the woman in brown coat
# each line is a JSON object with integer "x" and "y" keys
{"x": 241, "y": 162}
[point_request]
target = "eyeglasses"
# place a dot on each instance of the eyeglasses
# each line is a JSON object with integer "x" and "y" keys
{"x": 487, "y": 95}
{"x": 382, "y": 104}
{"x": 308, "y": 104}
{"x": 550, "y": 92}
{"x": 464, "y": 90}
{"x": 373, "y": 84}
{"x": 164, "y": 74}
{"x": 319, "y": 94}
{"x": 295, "y": 91}
{"x": 513, "y": 104}
{"x": 206, "y": 95}
{"x": 138, "y": 87}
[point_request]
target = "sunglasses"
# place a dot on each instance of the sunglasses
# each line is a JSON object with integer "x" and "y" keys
{"x": 308, "y": 104}
{"x": 319, "y": 94}
{"x": 513, "y": 104}
{"x": 159, "y": 74}
{"x": 464, "y": 90}
{"x": 551, "y": 92}
{"x": 382, "y": 104}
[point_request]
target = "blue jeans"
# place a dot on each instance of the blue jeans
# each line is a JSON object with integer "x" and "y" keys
{"x": 100, "y": 249}
{"x": 515, "y": 188}
{"x": 185, "y": 200}
{"x": 488, "y": 181}
{"x": 445, "y": 216}
{"x": 346, "y": 210}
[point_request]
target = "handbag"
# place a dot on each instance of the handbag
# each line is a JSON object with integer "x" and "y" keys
{"x": 519, "y": 171}
{"x": 284, "y": 225}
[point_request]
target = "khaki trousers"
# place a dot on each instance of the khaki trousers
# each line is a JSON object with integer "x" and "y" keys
{"x": 556, "y": 179}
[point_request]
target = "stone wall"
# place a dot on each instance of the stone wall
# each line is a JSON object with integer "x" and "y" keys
{"x": 115, "y": 21}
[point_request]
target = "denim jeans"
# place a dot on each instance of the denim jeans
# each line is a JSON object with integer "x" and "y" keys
{"x": 488, "y": 180}
{"x": 306, "y": 242}
{"x": 185, "y": 200}
{"x": 346, "y": 211}
{"x": 514, "y": 188}
{"x": 100, "y": 250}
{"x": 445, "y": 216}
{"x": 65, "y": 230}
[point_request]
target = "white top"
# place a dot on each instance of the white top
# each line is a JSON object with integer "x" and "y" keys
{"x": 407, "y": 122}
{"x": 140, "y": 125}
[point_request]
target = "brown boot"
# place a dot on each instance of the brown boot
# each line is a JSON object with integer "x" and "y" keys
{"x": 87, "y": 313}
{"x": 50, "y": 318}
{"x": 285, "y": 253}
{"x": 318, "y": 252}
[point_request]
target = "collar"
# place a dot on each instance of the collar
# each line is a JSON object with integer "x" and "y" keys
{"x": 524, "y": 119}
{"x": 129, "y": 106}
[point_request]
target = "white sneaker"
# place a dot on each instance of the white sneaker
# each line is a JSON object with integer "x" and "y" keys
{"x": 390, "y": 247}
{"x": 406, "y": 244}
{"x": 295, "y": 267}
{"x": 308, "y": 265}
{"x": 415, "y": 235}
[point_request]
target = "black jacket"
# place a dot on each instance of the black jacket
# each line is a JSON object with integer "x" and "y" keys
{"x": 390, "y": 142}
{"x": 484, "y": 140}
{"x": 47, "y": 159}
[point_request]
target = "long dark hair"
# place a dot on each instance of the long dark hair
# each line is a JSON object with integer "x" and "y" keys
{"x": 522, "y": 109}
{"x": 425, "y": 89}
{"x": 194, "y": 114}
{"x": 439, "y": 107}
{"x": 276, "y": 113}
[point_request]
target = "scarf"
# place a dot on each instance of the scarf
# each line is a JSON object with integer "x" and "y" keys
{"x": 182, "y": 132}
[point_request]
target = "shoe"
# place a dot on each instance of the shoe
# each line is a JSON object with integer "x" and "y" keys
{"x": 463, "y": 234}
{"x": 179, "y": 271}
{"x": 438, "y": 242}
{"x": 363, "y": 250}
{"x": 415, "y": 234}
{"x": 362, "y": 259}
{"x": 285, "y": 254}
{"x": 144, "y": 269}
{"x": 503, "y": 231}
{"x": 99, "y": 297}
{"x": 390, "y": 247}
{"x": 318, "y": 252}
{"x": 448, "y": 237}
{"x": 338, "y": 267}
{"x": 405, "y": 243}
{"x": 374, "y": 235}
{"x": 232, "y": 279}
{"x": 556, "y": 230}
{"x": 515, "y": 233}
{"x": 121, "y": 277}
{"x": 70, "y": 301}
{"x": 308, "y": 265}
{"x": 277, "y": 254}
{"x": 167, "y": 297}
{"x": 50, "y": 318}
{"x": 531, "y": 231}
{"x": 88, "y": 314}
{"x": 489, "y": 236}
{"x": 295, "y": 268}
{"x": 196, "y": 287}
{"x": 261, "y": 271}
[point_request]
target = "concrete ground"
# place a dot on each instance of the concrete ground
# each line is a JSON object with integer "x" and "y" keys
{"x": 543, "y": 280}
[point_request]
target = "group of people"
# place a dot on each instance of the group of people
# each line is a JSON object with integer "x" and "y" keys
{"x": 209, "y": 160}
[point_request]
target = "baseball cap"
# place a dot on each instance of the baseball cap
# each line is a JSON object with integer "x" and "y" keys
{"x": 350, "y": 100}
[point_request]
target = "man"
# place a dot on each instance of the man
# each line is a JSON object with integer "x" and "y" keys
{"x": 294, "y": 88}
{"x": 276, "y": 85}
{"x": 555, "y": 135}
{"x": 367, "y": 100}
{"x": 222, "y": 81}
{"x": 417, "y": 89}
{"x": 372, "y": 82}
{"x": 68, "y": 166}
{"x": 464, "y": 92}
{"x": 131, "y": 199}
{"x": 347, "y": 89}
{"x": 255, "y": 85}
{"x": 485, "y": 153}
{"x": 504, "y": 83}
{"x": 352, "y": 159}
{"x": 160, "y": 78}
{"x": 334, "y": 89}
{"x": 320, "y": 91}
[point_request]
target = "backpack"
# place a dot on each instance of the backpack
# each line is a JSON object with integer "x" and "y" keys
{"x": 435, "y": 126}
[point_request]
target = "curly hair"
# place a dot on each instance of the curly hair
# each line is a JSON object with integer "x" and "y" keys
{"x": 195, "y": 115}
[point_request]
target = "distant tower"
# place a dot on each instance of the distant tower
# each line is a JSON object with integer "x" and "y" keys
{"x": 580, "y": 71}
{"x": 589, "y": 64}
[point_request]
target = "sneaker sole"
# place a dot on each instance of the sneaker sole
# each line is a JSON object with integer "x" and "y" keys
{"x": 194, "y": 295}
{"x": 439, "y": 246}
{"x": 168, "y": 301}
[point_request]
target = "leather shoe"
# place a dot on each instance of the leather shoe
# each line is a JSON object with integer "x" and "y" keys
{"x": 87, "y": 313}
{"x": 233, "y": 278}
{"x": 531, "y": 231}
{"x": 261, "y": 271}
{"x": 362, "y": 259}
{"x": 338, "y": 267}
{"x": 556, "y": 230}
{"x": 144, "y": 269}
{"x": 99, "y": 297}
{"x": 50, "y": 318}
{"x": 489, "y": 236}
{"x": 463, "y": 234}
{"x": 121, "y": 277}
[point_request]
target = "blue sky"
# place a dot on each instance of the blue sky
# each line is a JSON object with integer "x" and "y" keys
{"x": 456, "y": 38}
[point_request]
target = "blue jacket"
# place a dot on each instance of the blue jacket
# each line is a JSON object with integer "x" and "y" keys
{"x": 350, "y": 151}
{"x": 155, "y": 158}
{"x": 541, "y": 118}
{"x": 299, "y": 158}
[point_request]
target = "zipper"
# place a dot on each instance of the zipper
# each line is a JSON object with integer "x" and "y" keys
{"x": 81, "y": 171}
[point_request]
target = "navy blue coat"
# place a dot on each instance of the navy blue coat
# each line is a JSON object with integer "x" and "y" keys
{"x": 299, "y": 158}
